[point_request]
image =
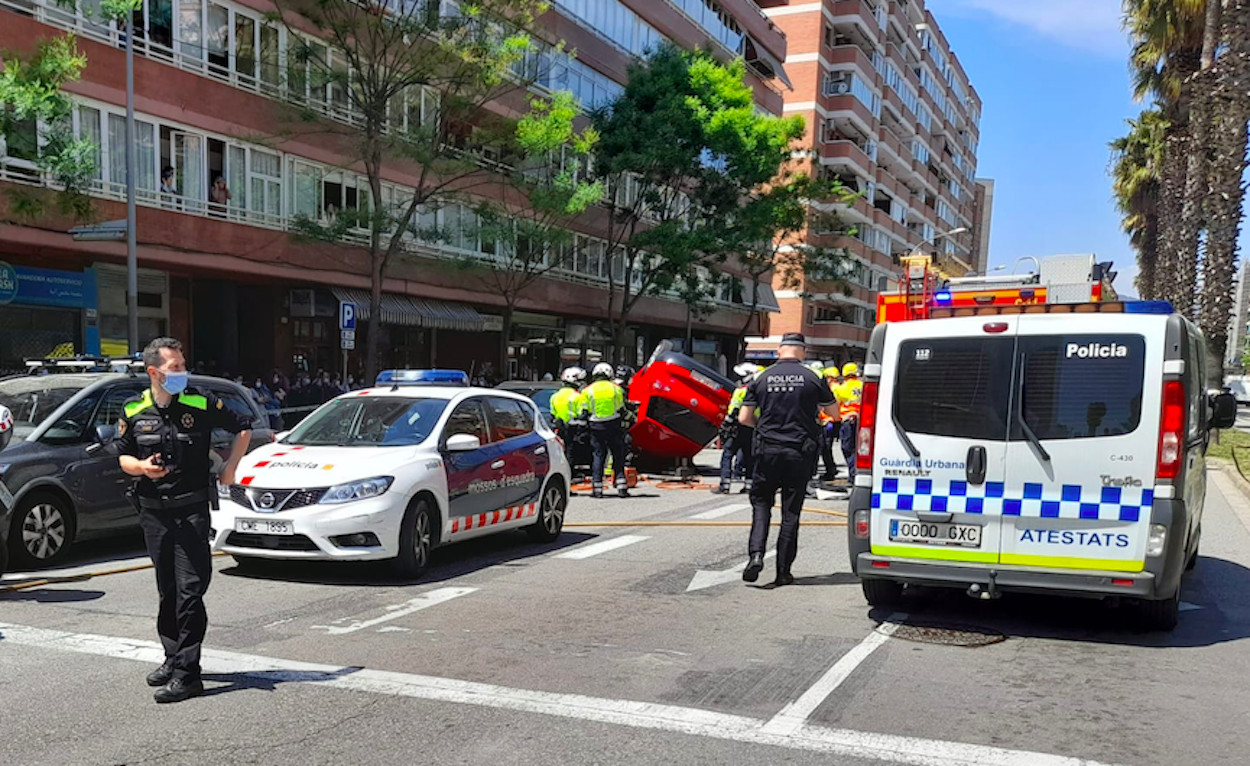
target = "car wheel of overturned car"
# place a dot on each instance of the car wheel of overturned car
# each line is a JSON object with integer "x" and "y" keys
{"x": 550, "y": 521}
{"x": 416, "y": 540}
{"x": 42, "y": 531}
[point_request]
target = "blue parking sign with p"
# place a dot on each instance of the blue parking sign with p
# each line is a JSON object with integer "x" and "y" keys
{"x": 347, "y": 315}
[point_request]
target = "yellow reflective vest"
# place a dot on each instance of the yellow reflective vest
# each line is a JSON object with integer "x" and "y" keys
{"x": 568, "y": 404}
{"x": 604, "y": 401}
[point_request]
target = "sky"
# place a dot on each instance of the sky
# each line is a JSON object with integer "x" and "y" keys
{"x": 1053, "y": 78}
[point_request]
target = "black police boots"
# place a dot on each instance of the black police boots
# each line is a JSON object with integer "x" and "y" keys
{"x": 783, "y": 578}
{"x": 723, "y": 489}
{"x": 754, "y": 567}
{"x": 178, "y": 690}
{"x": 161, "y": 675}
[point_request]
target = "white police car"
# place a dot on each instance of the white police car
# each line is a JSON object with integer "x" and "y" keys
{"x": 391, "y": 472}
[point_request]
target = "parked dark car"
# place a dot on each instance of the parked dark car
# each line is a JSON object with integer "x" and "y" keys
{"x": 60, "y": 482}
{"x": 540, "y": 391}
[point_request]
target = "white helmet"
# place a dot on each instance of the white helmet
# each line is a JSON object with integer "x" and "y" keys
{"x": 573, "y": 375}
{"x": 746, "y": 370}
{"x": 603, "y": 370}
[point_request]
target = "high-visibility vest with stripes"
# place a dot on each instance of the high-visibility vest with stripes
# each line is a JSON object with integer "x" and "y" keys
{"x": 735, "y": 401}
{"x": 567, "y": 404}
{"x": 849, "y": 395}
{"x": 604, "y": 400}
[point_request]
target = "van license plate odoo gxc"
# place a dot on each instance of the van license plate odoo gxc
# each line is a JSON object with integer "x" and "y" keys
{"x": 930, "y": 533}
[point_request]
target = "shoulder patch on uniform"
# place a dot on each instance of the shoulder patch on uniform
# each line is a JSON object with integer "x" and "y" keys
{"x": 138, "y": 404}
{"x": 198, "y": 401}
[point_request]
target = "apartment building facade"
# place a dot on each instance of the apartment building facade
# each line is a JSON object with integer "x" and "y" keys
{"x": 892, "y": 115}
{"x": 232, "y": 280}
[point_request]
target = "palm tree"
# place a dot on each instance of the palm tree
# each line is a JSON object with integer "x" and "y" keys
{"x": 1136, "y": 170}
{"x": 1227, "y": 111}
{"x": 1167, "y": 38}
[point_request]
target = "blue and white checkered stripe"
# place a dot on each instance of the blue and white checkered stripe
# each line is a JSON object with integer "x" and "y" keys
{"x": 1029, "y": 501}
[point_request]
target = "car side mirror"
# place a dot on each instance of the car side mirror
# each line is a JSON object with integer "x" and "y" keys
{"x": 281, "y": 435}
{"x": 1223, "y": 411}
{"x": 463, "y": 443}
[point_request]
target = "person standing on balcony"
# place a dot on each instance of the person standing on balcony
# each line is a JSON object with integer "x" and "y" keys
{"x": 219, "y": 196}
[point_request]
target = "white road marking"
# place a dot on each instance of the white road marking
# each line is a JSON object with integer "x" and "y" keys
{"x": 717, "y": 513}
{"x": 78, "y": 570}
{"x": 393, "y": 629}
{"x": 845, "y": 743}
{"x": 424, "y": 601}
{"x": 707, "y": 579}
{"x": 601, "y": 547}
{"x": 794, "y": 716}
{"x": 1188, "y": 607}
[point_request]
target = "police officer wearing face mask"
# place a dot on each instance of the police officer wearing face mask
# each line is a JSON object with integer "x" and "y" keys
{"x": 788, "y": 396}
{"x": 164, "y": 439}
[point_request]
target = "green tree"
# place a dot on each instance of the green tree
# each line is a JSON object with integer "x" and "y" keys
{"x": 405, "y": 87}
{"x": 680, "y": 151}
{"x": 768, "y": 237}
{"x": 35, "y": 124}
{"x": 1136, "y": 172}
{"x": 528, "y": 217}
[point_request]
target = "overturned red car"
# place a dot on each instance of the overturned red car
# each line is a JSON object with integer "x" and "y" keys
{"x": 681, "y": 405}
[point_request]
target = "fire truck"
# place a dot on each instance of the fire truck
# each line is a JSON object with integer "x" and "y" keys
{"x": 925, "y": 292}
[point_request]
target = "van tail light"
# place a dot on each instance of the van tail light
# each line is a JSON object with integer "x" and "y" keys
{"x": 1171, "y": 430}
{"x": 867, "y": 424}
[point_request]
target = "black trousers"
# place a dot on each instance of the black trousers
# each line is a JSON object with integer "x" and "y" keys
{"x": 607, "y": 438}
{"x": 177, "y": 541}
{"x": 740, "y": 439}
{"x": 827, "y": 437}
{"x": 788, "y": 469}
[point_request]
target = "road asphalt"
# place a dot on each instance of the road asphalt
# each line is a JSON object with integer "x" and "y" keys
{"x": 629, "y": 640}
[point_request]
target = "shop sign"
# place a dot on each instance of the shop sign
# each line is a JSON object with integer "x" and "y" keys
{"x": 492, "y": 323}
{"x": 44, "y": 287}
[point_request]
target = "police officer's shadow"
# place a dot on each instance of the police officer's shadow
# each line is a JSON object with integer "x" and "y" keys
{"x": 268, "y": 680}
{"x": 837, "y": 578}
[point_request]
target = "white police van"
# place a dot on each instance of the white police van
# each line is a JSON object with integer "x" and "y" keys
{"x": 1056, "y": 448}
{"x": 393, "y": 471}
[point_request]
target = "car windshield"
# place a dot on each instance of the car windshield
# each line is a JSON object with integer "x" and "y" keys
{"x": 375, "y": 421}
{"x": 32, "y": 399}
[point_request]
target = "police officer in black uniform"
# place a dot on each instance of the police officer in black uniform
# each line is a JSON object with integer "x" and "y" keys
{"x": 787, "y": 441}
{"x": 164, "y": 439}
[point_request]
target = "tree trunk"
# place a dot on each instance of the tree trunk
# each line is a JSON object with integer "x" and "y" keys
{"x": 1148, "y": 255}
{"x": 1174, "y": 280}
{"x": 504, "y": 367}
{"x": 1229, "y": 113}
{"x": 375, "y": 319}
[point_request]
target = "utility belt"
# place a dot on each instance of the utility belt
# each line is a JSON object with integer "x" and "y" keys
{"x": 169, "y": 502}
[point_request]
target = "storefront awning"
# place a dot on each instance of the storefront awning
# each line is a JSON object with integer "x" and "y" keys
{"x": 414, "y": 312}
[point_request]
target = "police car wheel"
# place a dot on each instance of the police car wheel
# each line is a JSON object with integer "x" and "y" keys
{"x": 882, "y": 592}
{"x": 43, "y": 528}
{"x": 416, "y": 540}
{"x": 1193, "y": 555}
{"x": 1162, "y": 614}
{"x": 550, "y": 521}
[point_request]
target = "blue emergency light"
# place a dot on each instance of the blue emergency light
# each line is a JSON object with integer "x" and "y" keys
{"x": 1148, "y": 307}
{"x": 423, "y": 378}
{"x": 942, "y": 297}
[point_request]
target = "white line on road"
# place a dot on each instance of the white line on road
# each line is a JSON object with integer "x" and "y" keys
{"x": 602, "y": 547}
{"x": 424, "y": 601}
{"x": 706, "y": 579}
{"x": 717, "y": 513}
{"x": 794, "y": 716}
{"x": 642, "y": 715}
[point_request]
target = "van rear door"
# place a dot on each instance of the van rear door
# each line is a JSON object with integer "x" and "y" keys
{"x": 940, "y": 446}
{"x": 1081, "y": 460}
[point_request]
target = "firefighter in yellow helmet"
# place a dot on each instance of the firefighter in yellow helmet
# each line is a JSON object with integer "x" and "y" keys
{"x": 568, "y": 410}
{"x": 830, "y": 428}
{"x": 849, "y": 394}
{"x": 735, "y": 437}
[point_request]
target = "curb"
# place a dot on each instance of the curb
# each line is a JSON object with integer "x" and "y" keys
{"x": 1229, "y": 468}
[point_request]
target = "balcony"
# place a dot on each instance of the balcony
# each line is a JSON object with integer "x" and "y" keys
{"x": 851, "y": 54}
{"x": 857, "y": 10}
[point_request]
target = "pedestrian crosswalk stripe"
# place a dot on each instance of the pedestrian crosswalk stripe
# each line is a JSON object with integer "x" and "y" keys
{"x": 604, "y": 546}
{"x": 717, "y": 513}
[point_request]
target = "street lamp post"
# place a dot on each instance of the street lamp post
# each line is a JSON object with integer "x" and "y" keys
{"x": 132, "y": 257}
{"x": 916, "y": 250}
